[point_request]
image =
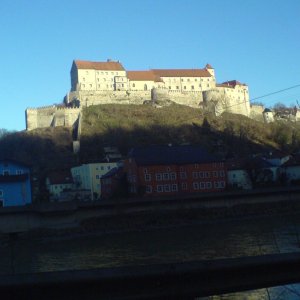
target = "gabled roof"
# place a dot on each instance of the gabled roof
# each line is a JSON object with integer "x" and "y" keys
{"x": 91, "y": 65}
{"x": 112, "y": 172}
{"x": 181, "y": 72}
{"x": 143, "y": 76}
{"x": 166, "y": 155}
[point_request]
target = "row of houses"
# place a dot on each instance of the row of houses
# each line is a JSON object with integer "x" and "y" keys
{"x": 152, "y": 171}
{"x": 173, "y": 170}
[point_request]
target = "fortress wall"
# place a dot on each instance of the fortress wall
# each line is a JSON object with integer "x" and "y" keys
{"x": 50, "y": 116}
{"x": 256, "y": 112}
{"x": 192, "y": 99}
{"x": 222, "y": 102}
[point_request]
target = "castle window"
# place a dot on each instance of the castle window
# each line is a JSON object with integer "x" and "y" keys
{"x": 106, "y": 73}
{"x": 188, "y": 80}
{"x": 184, "y": 87}
{"x": 83, "y": 79}
{"x": 196, "y": 79}
{"x": 170, "y": 87}
{"x": 148, "y": 189}
{"x": 87, "y": 72}
{"x": 91, "y": 85}
{"x": 192, "y": 87}
{"x": 208, "y": 85}
{"x": 112, "y": 73}
{"x": 98, "y": 79}
{"x": 177, "y": 87}
{"x": 98, "y": 85}
{"x": 133, "y": 85}
{"x": 1, "y": 193}
{"x": 83, "y": 85}
{"x": 182, "y": 79}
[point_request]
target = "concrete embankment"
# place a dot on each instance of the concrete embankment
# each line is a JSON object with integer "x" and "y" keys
{"x": 140, "y": 213}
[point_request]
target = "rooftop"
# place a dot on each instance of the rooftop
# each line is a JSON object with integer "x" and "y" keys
{"x": 109, "y": 65}
{"x": 164, "y": 155}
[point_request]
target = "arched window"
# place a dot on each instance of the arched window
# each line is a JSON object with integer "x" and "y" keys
{"x": 145, "y": 87}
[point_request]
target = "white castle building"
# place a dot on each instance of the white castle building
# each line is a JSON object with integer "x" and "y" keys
{"x": 95, "y": 83}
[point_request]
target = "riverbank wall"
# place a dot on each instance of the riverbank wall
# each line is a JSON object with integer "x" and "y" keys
{"x": 144, "y": 213}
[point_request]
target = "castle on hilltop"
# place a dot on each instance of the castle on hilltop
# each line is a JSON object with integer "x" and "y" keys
{"x": 95, "y": 83}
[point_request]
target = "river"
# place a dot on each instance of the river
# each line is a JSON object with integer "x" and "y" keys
{"x": 210, "y": 240}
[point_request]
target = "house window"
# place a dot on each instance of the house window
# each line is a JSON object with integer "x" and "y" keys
{"x": 174, "y": 187}
{"x": 168, "y": 169}
{"x": 97, "y": 177}
{"x": 215, "y": 173}
{"x": 145, "y": 171}
{"x": 183, "y": 175}
{"x": 216, "y": 184}
{"x": 173, "y": 176}
{"x": 158, "y": 176}
{"x": 202, "y": 185}
{"x": 148, "y": 189}
{"x": 1, "y": 193}
{"x": 167, "y": 188}
{"x": 102, "y": 168}
{"x": 166, "y": 176}
{"x": 195, "y": 175}
{"x": 222, "y": 184}
{"x": 6, "y": 172}
{"x": 207, "y": 174}
{"x": 184, "y": 186}
{"x": 222, "y": 173}
{"x": 195, "y": 185}
{"x": 147, "y": 177}
{"x": 19, "y": 172}
{"x": 208, "y": 185}
{"x": 160, "y": 188}
{"x": 196, "y": 166}
{"x": 201, "y": 174}
{"x": 108, "y": 167}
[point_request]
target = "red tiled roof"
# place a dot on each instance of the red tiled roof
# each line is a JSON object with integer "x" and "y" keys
{"x": 109, "y": 65}
{"x": 143, "y": 76}
{"x": 181, "y": 72}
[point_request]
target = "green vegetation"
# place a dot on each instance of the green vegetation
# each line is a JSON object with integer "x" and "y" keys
{"x": 126, "y": 126}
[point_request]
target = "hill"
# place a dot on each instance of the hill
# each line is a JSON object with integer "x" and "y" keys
{"x": 126, "y": 126}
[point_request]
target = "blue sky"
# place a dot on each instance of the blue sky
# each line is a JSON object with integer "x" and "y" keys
{"x": 256, "y": 42}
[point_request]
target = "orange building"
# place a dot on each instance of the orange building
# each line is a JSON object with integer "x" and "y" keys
{"x": 171, "y": 170}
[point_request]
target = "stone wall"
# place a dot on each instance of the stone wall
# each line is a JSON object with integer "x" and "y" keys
{"x": 51, "y": 116}
{"x": 256, "y": 112}
{"x": 218, "y": 101}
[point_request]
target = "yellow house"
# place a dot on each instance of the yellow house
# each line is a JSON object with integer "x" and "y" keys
{"x": 87, "y": 176}
{"x": 98, "y": 76}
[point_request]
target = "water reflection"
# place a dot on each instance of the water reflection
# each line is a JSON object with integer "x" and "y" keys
{"x": 224, "y": 239}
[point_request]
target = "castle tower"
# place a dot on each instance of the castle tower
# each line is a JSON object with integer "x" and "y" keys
{"x": 210, "y": 69}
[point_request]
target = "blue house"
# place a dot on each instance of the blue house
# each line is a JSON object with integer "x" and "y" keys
{"x": 15, "y": 188}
